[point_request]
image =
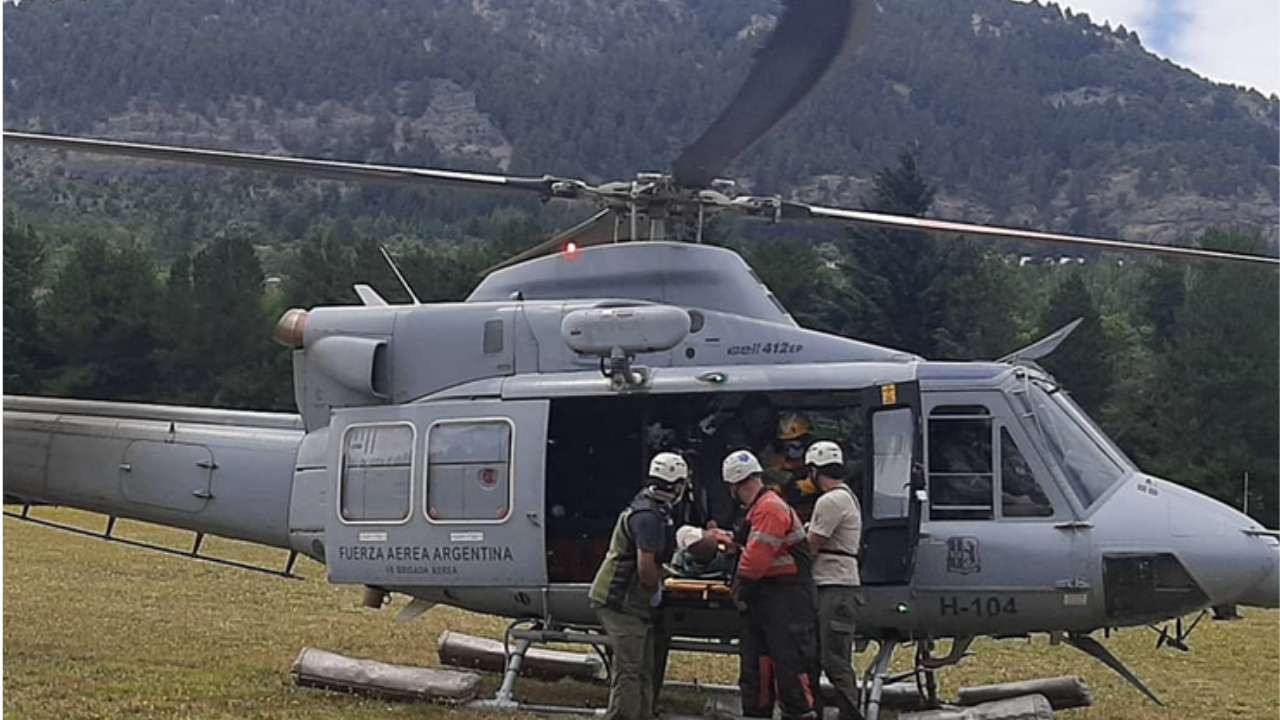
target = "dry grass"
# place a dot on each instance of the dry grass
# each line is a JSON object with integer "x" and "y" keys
{"x": 98, "y": 630}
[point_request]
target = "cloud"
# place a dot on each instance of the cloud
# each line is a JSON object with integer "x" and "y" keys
{"x": 1232, "y": 41}
{"x": 1235, "y": 41}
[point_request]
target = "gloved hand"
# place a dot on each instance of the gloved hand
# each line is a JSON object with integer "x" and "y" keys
{"x": 721, "y": 536}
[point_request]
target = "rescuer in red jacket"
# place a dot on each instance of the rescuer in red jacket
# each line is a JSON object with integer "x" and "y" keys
{"x": 778, "y": 648}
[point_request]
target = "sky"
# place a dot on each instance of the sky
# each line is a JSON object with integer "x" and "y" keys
{"x": 1231, "y": 41}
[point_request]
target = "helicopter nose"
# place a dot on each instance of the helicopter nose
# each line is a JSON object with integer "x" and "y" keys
{"x": 1265, "y": 594}
{"x": 1234, "y": 559}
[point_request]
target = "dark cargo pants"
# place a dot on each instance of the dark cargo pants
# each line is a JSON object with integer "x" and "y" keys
{"x": 779, "y": 654}
{"x": 631, "y": 684}
{"x": 661, "y": 653}
{"x": 838, "y": 609}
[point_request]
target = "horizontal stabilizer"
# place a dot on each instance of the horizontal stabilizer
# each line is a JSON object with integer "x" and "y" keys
{"x": 1044, "y": 346}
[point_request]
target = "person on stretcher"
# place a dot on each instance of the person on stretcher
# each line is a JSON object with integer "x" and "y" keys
{"x": 702, "y": 558}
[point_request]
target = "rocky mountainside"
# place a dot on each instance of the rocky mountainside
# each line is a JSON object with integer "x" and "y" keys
{"x": 1023, "y": 113}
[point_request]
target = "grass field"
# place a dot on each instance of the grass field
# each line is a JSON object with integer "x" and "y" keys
{"x": 99, "y": 630}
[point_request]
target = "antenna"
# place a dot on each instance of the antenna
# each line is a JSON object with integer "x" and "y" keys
{"x": 387, "y": 256}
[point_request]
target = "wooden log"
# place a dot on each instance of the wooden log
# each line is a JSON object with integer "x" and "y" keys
{"x": 319, "y": 668}
{"x": 1064, "y": 692}
{"x": 1026, "y": 707}
{"x": 723, "y": 702}
{"x": 1226, "y": 612}
{"x": 468, "y": 651}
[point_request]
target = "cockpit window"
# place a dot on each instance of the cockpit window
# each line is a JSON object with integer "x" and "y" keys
{"x": 1088, "y": 469}
{"x": 1020, "y": 492}
{"x": 961, "y": 470}
{"x": 1076, "y": 412}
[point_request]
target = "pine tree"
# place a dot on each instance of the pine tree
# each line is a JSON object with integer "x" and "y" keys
{"x": 24, "y": 255}
{"x": 1084, "y": 363}
{"x": 323, "y": 273}
{"x": 1224, "y": 420}
{"x": 889, "y": 268}
{"x": 805, "y": 277}
{"x": 176, "y": 356}
{"x": 943, "y": 298}
{"x": 232, "y": 330}
{"x": 98, "y": 323}
{"x": 1164, "y": 294}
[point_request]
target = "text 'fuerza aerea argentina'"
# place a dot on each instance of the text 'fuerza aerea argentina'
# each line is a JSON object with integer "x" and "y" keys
{"x": 421, "y": 553}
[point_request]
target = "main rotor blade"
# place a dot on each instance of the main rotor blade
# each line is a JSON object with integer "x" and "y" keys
{"x": 595, "y": 230}
{"x": 322, "y": 169}
{"x": 807, "y": 40}
{"x": 801, "y": 211}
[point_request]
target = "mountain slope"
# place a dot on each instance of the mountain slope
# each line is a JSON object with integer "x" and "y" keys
{"x": 1024, "y": 114}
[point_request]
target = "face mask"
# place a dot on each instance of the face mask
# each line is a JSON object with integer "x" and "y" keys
{"x": 795, "y": 450}
{"x": 669, "y": 495}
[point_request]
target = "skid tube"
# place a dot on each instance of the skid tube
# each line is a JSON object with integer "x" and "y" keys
{"x": 524, "y": 639}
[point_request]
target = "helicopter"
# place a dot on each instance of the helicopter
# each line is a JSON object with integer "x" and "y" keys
{"x": 475, "y": 454}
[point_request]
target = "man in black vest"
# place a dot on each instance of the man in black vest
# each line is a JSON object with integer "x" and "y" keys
{"x": 626, "y": 588}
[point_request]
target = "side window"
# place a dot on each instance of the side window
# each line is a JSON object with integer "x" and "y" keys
{"x": 961, "y": 472}
{"x": 377, "y": 466}
{"x": 1020, "y": 492}
{"x": 469, "y": 471}
{"x": 891, "y": 430}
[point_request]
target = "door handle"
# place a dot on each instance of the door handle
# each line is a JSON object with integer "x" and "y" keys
{"x": 1074, "y": 525}
{"x": 202, "y": 494}
{"x": 1073, "y": 584}
{"x": 534, "y": 518}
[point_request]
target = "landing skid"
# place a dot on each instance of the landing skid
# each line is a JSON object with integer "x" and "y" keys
{"x": 879, "y": 688}
{"x": 520, "y": 641}
{"x": 924, "y": 673}
{"x": 876, "y": 680}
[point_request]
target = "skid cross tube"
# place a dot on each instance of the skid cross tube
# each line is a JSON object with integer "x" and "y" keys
{"x": 874, "y": 681}
{"x": 109, "y": 535}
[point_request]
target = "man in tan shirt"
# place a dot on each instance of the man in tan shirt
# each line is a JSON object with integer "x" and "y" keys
{"x": 835, "y": 534}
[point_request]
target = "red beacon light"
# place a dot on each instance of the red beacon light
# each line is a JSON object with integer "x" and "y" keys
{"x": 571, "y": 249}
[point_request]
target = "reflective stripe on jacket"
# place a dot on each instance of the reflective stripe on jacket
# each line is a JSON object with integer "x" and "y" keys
{"x": 775, "y": 533}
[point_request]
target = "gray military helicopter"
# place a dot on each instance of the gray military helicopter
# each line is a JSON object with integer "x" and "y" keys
{"x": 475, "y": 454}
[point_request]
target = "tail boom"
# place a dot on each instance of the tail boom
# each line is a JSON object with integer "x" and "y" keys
{"x": 221, "y": 472}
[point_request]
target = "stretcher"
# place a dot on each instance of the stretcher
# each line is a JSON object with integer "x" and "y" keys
{"x": 676, "y": 587}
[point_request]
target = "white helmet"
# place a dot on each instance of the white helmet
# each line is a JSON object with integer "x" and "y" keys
{"x": 823, "y": 453}
{"x": 669, "y": 468}
{"x": 740, "y": 465}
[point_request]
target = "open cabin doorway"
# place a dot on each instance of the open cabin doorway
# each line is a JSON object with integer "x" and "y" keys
{"x": 598, "y": 450}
